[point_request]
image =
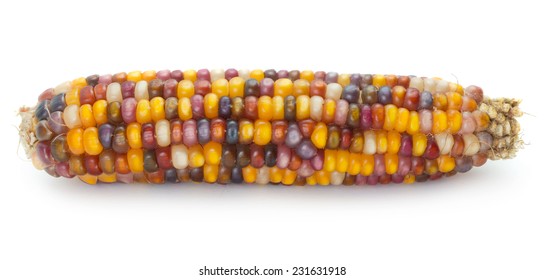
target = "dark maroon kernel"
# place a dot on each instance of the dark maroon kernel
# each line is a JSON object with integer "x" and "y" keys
{"x": 224, "y": 110}
{"x": 203, "y": 74}
{"x": 57, "y": 103}
{"x": 251, "y": 88}
{"x": 171, "y": 176}
{"x": 369, "y": 94}
{"x": 289, "y": 108}
{"x": 283, "y": 74}
{"x": 150, "y": 163}
{"x": 177, "y": 75}
{"x": 384, "y": 95}
{"x": 170, "y": 88}
{"x": 267, "y": 87}
{"x": 196, "y": 174}
{"x": 127, "y": 89}
{"x": 306, "y": 150}
{"x": 351, "y": 93}
{"x": 355, "y": 79}
{"x": 270, "y": 155}
{"x": 366, "y": 117}
{"x": 366, "y": 80}
{"x": 203, "y": 131}
{"x": 432, "y": 150}
{"x": 257, "y": 156}
{"x": 271, "y": 74}
{"x": 202, "y": 87}
{"x": 155, "y": 88}
{"x": 105, "y": 134}
{"x": 294, "y": 75}
{"x": 331, "y": 77}
{"x": 236, "y": 175}
{"x": 319, "y": 75}
{"x": 426, "y": 100}
{"x": 92, "y": 80}
{"x": 231, "y": 133}
{"x": 148, "y": 136}
{"x": 231, "y": 73}
{"x": 243, "y": 155}
{"x": 42, "y": 112}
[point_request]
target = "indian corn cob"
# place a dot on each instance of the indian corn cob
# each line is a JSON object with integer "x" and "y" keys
{"x": 288, "y": 127}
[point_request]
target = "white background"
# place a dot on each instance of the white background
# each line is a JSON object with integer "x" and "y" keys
{"x": 487, "y": 224}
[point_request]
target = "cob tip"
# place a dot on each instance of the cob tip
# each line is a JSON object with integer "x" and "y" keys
{"x": 504, "y": 127}
{"x": 26, "y": 130}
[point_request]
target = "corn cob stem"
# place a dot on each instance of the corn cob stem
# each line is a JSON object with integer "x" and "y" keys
{"x": 293, "y": 128}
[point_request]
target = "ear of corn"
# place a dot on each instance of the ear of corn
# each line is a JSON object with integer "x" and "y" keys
{"x": 279, "y": 127}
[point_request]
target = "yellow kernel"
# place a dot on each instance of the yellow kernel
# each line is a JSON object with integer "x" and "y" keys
{"x": 391, "y": 162}
{"x": 211, "y": 172}
{"x": 134, "y": 76}
{"x": 277, "y": 108}
{"x": 143, "y": 111}
{"x": 72, "y": 97}
{"x": 454, "y": 100}
{"x": 191, "y": 75}
{"x": 440, "y": 123}
{"x": 311, "y": 180}
{"x": 100, "y": 111}
{"x": 220, "y": 87}
{"x": 196, "y": 156}
{"x": 330, "y": 159}
{"x": 184, "y": 109}
{"x": 379, "y": 80}
{"x": 354, "y": 164}
{"x": 91, "y": 143}
{"x": 257, "y": 74}
{"x": 246, "y": 132}
{"x": 382, "y": 141}
{"x": 409, "y": 179}
{"x": 341, "y": 164}
{"x": 454, "y": 119}
{"x": 390, "y": 116}
{"x": 302, "y": 104}
{"x": 249, "y": 174}
{"x": 135, "y": 158}
{"x": 276, "y": 174}
{"x": 134, "y": 135}
{"x": 107, "y": 178}
{"x": 289, "y": 177}
{"x": 157, "y": 106}
{"x": 211, "y": 105}
{"x": 328, "y": 112}
{"x": 301, "y": 87}
{"x": 264, "y": 108}
{"x": 88, "y": 179}
{"x": 322, "y": 177}
{"x": 185, "y": 88}
{"x": 79, "y": 82}
{"x": 403, "y": 117}
{"x": 414, "y": 123}
{"x": 262, "y": 132}
{"x": 319, "y": 135}
{"x": 394, "y": 142}
{"x": 367, "y": 164}
{"x": 419, "y": 144}
{"x": 74, "y": 138}
{"x": 149, "y": 75}
{"x": 344, "y": 80}
{"x": 283, "y": 87}
{"x": 307, "y": 75}
{"x": 446, "y": 163}
{"x": 86, "y": 116}
{"x": 236, "y": 87}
